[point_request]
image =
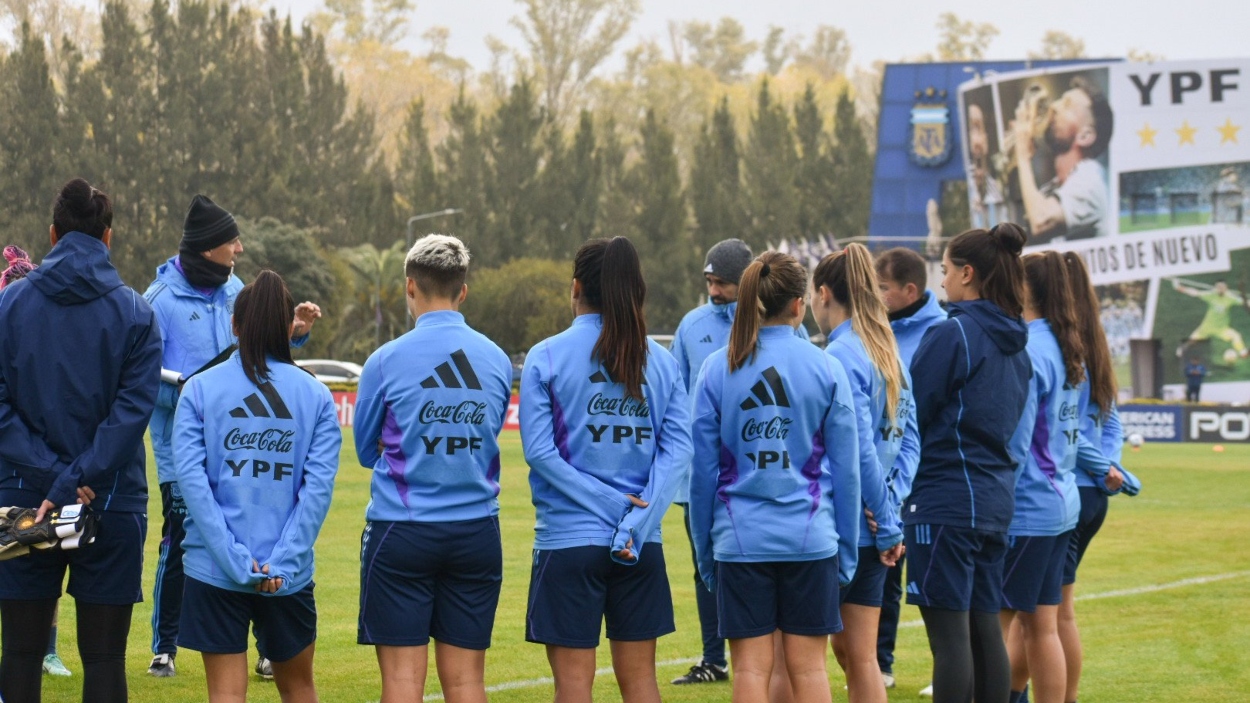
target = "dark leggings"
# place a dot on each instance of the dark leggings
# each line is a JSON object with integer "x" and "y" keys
{"x": 102, "y": 632}
{"x": 969, "y": 657}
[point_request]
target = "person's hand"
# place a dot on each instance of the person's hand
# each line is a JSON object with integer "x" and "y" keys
{"x": 872, "y": 521}
{"x": 627, "y": 553}
{"x": 267, "y": 585}
{"x": 1022, "y": 129}
{"x": 44, "y": 507}
{"x": 638, "y": 502}
{"x": 306, "y": 314}
{"x": 891, "y": 556}
{"x": 85, "y": 495}
{"x": 1114, "y": 479}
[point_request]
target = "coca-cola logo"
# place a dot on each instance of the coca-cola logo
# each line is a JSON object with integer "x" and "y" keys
{"x": 467, "y": 413}
{"x": 772, "y": 428}
{"x": 1069, "y": 411}
{"x": 265, "y": 441}
{"x": 620, "y": 407}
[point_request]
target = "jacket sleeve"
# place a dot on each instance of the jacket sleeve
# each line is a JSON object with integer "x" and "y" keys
{"x": 871, "y": 473}
{"x": 121, "y": 433}
{"x": 370, "y": 411}
{"x": 1090, "y": 459}
{"x": 538, "y": 440}
{"x": 1113, "y": 436}
{"x": 678, "y": 350}
{"x": 21, "y": 446}
{"x": 167, "y": 395}
{"x": 841, "y": 432}
{"x": 297, "y": 342}
{"x": 705, "y": 471}
{"x": 938, "y": 369}
{"x": 302, "y": 526}
{"x": 905, "y": 464}
{"x": 191, "y": 471}
{"x": 673, "y": 451}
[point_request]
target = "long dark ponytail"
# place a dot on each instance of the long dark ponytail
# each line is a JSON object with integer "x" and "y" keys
{"x": 995, "y": 255}
{"x": 1102, "y": 385}
{"x": 612, "y": 284}
{"x": 263, "y": 314}
{"x": 1050, "y": 292}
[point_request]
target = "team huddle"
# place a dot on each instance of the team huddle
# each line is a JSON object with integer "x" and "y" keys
{"x": 977, "y": 442}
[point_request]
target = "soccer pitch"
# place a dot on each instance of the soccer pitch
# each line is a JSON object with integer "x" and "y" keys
{"x": 1162, "y": 584}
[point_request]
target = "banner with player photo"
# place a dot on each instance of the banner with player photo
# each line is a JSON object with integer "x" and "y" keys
{"x": 1144, "y": 169}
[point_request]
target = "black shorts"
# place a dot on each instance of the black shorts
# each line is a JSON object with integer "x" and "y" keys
{"x": 868, "y": 585}
{"x": 955, "y": 568}
{"x": 573, "y": 590}
{"x": 422, "y": 580}
{"x": 1033, "y": 571}
{"x": 1093, "y": 512}
{"x": 796, "y": 597}
{"x": 109, "y": 571}
{"x": 214, "y": 620}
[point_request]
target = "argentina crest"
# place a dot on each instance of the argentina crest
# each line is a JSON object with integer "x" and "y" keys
{"x": 930, "y": 128}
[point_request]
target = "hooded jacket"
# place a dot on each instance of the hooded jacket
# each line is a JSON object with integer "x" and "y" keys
{"x": 970, "y": 376}
{"x": 195, "y": 328}
{"x": 910, "y": 330}
{"x": 79, "y": 369}
{"x": 776, "y": 475}
{"x": 701, "y": 332}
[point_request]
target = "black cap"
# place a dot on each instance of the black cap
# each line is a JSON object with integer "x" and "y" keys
{"x": 207, "y": 226}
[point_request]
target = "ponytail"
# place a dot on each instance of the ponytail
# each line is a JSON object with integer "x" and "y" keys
{"x": 263, "y": 314}
{"x": 1051, "y": 294}
{"x": 612, "y": 284}
{"x": 767, "y": 286}
{"x": 994, "y": 255}
{"x": 852, "y": 279}
{"x": 1088, "y": 312}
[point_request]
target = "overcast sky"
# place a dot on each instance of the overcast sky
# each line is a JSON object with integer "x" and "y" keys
{"x": 890, "y": 30}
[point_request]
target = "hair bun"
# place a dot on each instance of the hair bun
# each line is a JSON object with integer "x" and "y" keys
{"x": 1010, "y": 237}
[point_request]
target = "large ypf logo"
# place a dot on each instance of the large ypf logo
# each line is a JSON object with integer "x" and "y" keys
{"x": 610, "y": 404}
{"x": 266, "y": 402}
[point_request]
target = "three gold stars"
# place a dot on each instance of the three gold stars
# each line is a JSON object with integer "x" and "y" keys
{"x": 1187, "y": 134}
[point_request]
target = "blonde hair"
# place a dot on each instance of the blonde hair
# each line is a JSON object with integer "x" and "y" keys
{"x": 852, "y": 279}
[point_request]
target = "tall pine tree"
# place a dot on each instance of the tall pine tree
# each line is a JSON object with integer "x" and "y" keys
{"x": 715, "y": 181}
{"x": 814, "y": 180}
{"x": 770, "y": 171}
{"x": 516, "y": 153}
{"x": 851, "y": 188}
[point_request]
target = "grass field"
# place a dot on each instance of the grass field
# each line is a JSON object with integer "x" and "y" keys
{"x": 1186, "y": 642}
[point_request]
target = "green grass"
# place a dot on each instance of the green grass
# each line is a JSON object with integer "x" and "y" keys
{"x": 1187, "y": 643}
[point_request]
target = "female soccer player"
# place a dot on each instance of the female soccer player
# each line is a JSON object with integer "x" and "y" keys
{"x": 970, "y": 378}
{"x": 1047, "y": 506}
{"x": 256, "y": 442}
{"x": 775, "y": 498}
{"x": 605, "y": 425}
{"x": 849, "y": 310}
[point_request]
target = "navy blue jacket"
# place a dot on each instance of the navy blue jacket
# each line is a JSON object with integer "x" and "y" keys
{"x": 971, "y": 381}
{"x": 80, "y": 360}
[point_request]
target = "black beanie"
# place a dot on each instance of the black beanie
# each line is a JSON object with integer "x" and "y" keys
{"x": 207, "y": 226}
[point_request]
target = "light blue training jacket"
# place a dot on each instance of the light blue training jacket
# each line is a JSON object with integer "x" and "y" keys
{"x": 1104, "y": 433}
{"x": 436, "y": 399}
{"x": 256, "y": 466}
{"x": 588, "y": 445}
{"x": 776, "y": 475}
{"x": 880, "y": 437}
{"x": 908, "y": 331}
{"x": 1046, "y": 443}
{"x": 701, "y": 332}
{"x": 194, "y": 328}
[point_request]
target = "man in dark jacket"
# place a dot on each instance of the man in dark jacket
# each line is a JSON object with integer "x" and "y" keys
{"x": 80, "y": 361}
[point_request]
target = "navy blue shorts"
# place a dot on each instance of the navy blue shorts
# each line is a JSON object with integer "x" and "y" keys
{"x": 214, "y": 621}
{"x": 868, "y": 586}
{"x": 796, "y": 597}
{"x": 954, "y": 568}
{"x": 422, "y": 580}
{"x": 109, "y": 571}
{"x": 1093, "y": 512}
{"x": 573, "y": 590}
{"x": 1033, "y": 571}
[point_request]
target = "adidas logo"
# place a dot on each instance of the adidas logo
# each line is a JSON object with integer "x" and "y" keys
{"x": 257, "y": 407}
{"x": 924, "y": 534}
{"x": 771, "y": 380}
{"x": 194, "y": 316}
{"x": 707, "y": 339}
{"x": 444, "y": 373}
{"x": 601, "y": 376}
{"x": 912, "y": 588}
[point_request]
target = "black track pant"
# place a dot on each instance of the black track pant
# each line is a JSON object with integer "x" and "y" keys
{"x": 102, "y": 632}
{"x": 969, "y": 658}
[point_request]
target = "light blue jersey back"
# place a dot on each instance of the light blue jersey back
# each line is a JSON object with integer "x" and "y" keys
{"x": 428, "y": 414}
{"x": 256, "y": 467}
{"x": 1046, "y": 443}
{"x": 589, "y": 445}
{"x": 776, "y": 475}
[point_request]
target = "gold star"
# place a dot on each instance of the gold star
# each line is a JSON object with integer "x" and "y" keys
{"x": 1186, "y": 133}
{"x": 1228, "y": 132}
{"x": 1147, "y": 135}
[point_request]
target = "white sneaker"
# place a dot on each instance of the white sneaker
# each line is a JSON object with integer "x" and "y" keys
{"x": 927, "y": 691}
{"x": 888, "y": 679}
